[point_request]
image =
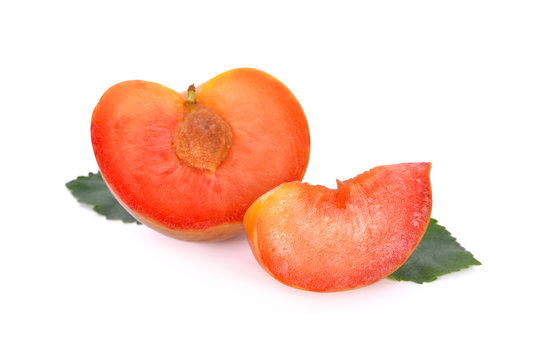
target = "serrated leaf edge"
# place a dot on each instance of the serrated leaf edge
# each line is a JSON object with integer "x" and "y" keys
{"x": 94, "y": 207}
{"x": 435, "y": 277}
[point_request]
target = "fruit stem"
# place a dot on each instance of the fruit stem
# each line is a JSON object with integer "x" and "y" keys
{"x": 191, "y": 92}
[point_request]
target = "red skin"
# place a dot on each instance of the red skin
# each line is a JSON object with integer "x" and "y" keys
{"x": 133, "y": 128}
{"x": 320, "y": 239}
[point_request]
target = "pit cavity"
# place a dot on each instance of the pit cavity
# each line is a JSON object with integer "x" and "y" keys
{"x": 203, "y": 139}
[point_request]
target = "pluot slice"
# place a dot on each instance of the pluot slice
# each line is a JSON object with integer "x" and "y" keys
{"x": 134, "y": 129}
{"x": 320, "y": 239}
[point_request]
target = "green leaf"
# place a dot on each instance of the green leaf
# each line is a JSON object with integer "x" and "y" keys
{"x": 92, "y": 190}
{"x": 437, "y": 254}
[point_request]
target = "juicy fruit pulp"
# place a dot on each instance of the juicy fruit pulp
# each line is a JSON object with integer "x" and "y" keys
{"x": 190, "y": 164}
{"x": 320, "y": 239}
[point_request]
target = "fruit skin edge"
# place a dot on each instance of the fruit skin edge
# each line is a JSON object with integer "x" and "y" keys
{"x": 215, "y": 233}
{"x": 250, "y": 223}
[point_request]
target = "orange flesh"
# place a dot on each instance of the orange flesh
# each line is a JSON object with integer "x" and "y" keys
{"x": 319, "y": 239}
{"x": 133, "y": 130}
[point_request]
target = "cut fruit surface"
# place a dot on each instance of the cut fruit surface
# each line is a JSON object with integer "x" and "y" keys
{"x": 321, "y": 239}
{"x": 189, "y": 165}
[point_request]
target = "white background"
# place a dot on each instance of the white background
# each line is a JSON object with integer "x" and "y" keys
{"x": 455, "y": 83}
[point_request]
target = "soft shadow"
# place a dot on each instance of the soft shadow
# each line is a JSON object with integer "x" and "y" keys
{"x": 234, "y": 256}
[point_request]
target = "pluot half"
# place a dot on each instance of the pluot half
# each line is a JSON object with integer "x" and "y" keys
{"x": 190, "y": 164}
